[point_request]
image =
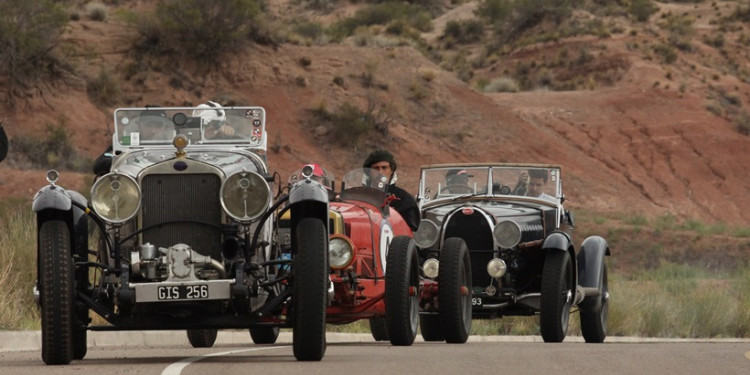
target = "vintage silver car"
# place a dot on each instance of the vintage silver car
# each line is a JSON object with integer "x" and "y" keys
{"x": 180, "y": 233}
{"x": 510, "y": 220}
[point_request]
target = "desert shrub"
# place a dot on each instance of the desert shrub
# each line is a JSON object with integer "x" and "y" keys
{"x": 350, "y": 124}
{"x": 511, "y": 19}
{"x": 667, "y": 52}
{"x": 642, "y": 10}
{"x": 29, "y": 33}
{"x": 17, "y": 258}
{"x": 96, "y": 11}
{"x": 466, "y": 31}
{"x": 104, "y": 89}
{"x": 502, "y": 84}
{"x": 742, "y": 123}
{"x": 198, "y": 29}
{"x": 382, "y": 14}
{"x": 311, "y": 30}
{"x": 54, "y": 150}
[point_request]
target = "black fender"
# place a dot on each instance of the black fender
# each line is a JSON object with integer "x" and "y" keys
{"x": 591, "y": 261}
{"x": 560, "y": 241}
{"x": 53, "y": 202}
{"x": 307, "y": 199}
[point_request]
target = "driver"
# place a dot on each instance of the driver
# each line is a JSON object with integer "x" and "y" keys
{"x": 402, "y": 201}
{"x": 457, "y": 182}
{"x": 213, "y": 120}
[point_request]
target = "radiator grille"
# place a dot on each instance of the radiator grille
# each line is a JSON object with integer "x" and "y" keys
{"x": 477, "y": 233}
{"x": 183, "y": 197}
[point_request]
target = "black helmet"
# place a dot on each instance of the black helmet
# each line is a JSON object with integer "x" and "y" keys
{"x": 378, "y": 156}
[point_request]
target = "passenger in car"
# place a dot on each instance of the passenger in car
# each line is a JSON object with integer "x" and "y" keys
{"x": 150, "y": 124}
{"x": 384, "y": 162}
{"x": 537, "y": 183}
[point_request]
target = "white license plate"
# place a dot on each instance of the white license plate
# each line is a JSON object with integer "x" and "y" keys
{"x": 181, "y": 292}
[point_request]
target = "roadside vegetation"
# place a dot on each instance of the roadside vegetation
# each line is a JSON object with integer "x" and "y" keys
{"x": 650, "y": 298}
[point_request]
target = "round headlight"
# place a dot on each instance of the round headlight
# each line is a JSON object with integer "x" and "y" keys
{"x": 427, "y": 234}
{"x": 431, "y": 267}
{"x": 116, "y": 198}
{"x": 340, "y": 252}
{"x": 245, "y": 196}
{"x": 496, "y": 268}
{"x": 507, "y": 234}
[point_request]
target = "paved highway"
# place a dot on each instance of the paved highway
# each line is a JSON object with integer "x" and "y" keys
{"x": 358, "y": 354}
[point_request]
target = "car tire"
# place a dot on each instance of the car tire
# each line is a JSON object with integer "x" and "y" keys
{"x": 202, "y": 338}
{"x": 557, "y": 296}
{"x": 79, "y": 341}
{"x": 595, "y": 313}
{"x": 454, "y": 290}
{"x": 310, "y": 283}
{"x": 56, "y": 292}
{"x": 379, "y": 329}
{"x": 430, "y": 328}
{"x": 264, "y": 334}
{"x": 402, "y": 291}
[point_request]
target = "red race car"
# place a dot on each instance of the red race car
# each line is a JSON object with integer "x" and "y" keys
{"x": 366, "y": 238}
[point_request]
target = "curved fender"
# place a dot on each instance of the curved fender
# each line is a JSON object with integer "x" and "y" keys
{"x": 307, "y": 199}
{"x": 557, "y": 240}
{"x": 308, "y": 191}
{"x": 52, "y": 197}
{"x": 561, "y": 241}
{"x": 591, "y": 261}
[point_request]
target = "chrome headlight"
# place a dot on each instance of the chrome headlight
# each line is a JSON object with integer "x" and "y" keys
{"x": 116, "y": 198}
{"x": 507, "y": 234}
{"x": 340, "y": 252}
{"x": 431, "y": 267}
{"x": 496, "y": 268}
{"x": 427, "y": 234}
{"x": 245, "y": 196}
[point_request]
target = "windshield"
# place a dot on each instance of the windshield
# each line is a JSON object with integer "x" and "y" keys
{"x": 364, "y": 178}
{"x": 532, "y": 181}
{"x": 203, "y": 125}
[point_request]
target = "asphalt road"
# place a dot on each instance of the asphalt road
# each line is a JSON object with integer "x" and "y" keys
{"x": 358, "y": 354}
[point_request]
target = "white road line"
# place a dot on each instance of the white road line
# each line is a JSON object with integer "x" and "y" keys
{"x": 176, "y": 368}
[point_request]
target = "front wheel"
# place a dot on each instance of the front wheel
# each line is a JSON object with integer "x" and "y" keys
{"x": 202, "y": 338}
{"x": 56, "y": 294}
{"x": 379, "y": 329}
{"x": 454, "y": 290}
{"x": 264, "y": 334}
{"x": 557, "y": 296}
{"x": 595, "y": 312}
{"x": 310, "y": 283}
{"x": 430, "y": 327}
{"x": 402, "y": 291}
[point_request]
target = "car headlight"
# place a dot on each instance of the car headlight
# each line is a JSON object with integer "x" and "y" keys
{"x": 496, "y": 268}
{"x": 340, "y": 252}
{"x": 427, "y": 234}
{"x": 507, "y": 234}
{"x": 245, "y": 196}
{"x": 431, "y": 267}
{"x": 116, "y": 198}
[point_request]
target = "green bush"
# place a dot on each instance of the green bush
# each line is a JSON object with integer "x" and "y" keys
{"x": 29, "y": 33}
{"x": 202, "y": 30}
{"x": 55, "y": 150}
{"x": 382, "y": 14}
{"x": 642, "y": 10}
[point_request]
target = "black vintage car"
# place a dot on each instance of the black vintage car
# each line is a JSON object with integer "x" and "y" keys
{"x": 510, "y": 220}
{"x": 181, "y": 233}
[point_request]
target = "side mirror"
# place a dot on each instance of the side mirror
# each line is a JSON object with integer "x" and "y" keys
{"x": 3, "y": 143}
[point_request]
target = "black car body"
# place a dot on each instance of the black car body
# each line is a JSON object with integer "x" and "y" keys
{"x": 523, "y": 258}
{"x": 180, "y": 234}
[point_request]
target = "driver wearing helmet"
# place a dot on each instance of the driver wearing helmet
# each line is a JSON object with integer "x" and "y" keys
{"x": 213, "y": 120}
